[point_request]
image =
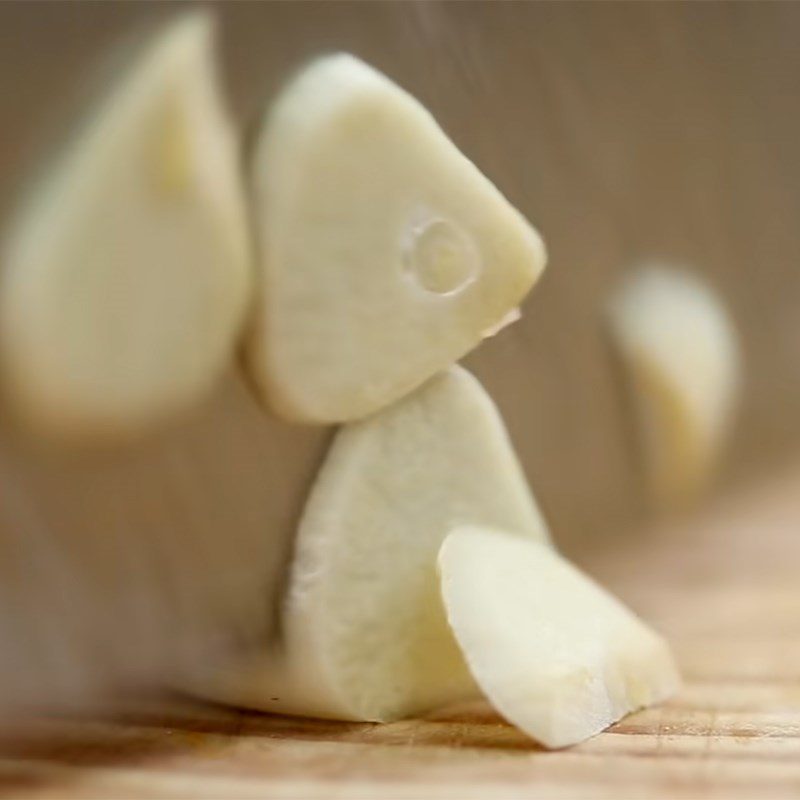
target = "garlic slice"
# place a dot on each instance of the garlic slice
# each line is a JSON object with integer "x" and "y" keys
{"x": 554, "y": 653}
{"x": 364, "y": 631}
{"x": 385, "y": 255}
{"x": 679, "y": 348}
{"x": 125, "y": 281}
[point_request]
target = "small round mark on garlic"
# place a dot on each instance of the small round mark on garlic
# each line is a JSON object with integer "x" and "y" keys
{"x": 440, "y": 256}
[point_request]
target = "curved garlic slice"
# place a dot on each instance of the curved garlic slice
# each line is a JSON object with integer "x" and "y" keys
{"x": 125, "y": 281}
{"x": 554, "y": 652}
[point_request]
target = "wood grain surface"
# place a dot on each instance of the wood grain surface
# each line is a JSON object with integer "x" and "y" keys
{"x": 722, "y": 585}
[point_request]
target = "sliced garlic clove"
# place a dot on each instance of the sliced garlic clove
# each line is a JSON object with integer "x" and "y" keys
{"x": 681, "y": 356}
{"x": 555, "y": 654}
{"x": 365, "y": 635}
{"x": 385, "y": 255}
{"x": 125, "y": 280}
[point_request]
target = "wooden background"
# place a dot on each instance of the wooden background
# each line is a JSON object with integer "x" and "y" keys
{"x": 624, "y": 131}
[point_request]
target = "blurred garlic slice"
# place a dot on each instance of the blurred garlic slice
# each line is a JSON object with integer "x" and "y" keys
{"x": 554, "y": 653}
{"x": 681, "y": 356}
{"x": 125, "y": 281}
{"x": 365, "y": 636}
{"x": 385, "y": 255}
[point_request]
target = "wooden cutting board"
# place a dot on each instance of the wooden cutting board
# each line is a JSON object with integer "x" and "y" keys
{"x": 623, "y": 130}
{"x": 722, "y": 585}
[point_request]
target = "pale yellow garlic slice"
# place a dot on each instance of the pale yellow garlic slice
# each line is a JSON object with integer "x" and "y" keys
{"x": 679, "y": 349}
{"x": 385, "y": 255}
{"x": 125, "y": 280}
{"x": 554, "y": 653}
{"x": 364, "y": 632}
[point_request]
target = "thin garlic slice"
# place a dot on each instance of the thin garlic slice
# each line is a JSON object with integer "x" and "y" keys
{"x": 554, "y": 653}
{"x": 124, "y": 282}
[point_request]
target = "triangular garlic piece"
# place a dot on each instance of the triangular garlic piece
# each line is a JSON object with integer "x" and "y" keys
{"x": 385, "y": 255}
{"x": 554, "y": 653}
{"x": 125, "y": 280}
{"x": 364, "y": 632}
{"x": 681, "y": 356}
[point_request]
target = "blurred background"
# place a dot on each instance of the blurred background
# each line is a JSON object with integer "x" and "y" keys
{"x": 623, "y": 131}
